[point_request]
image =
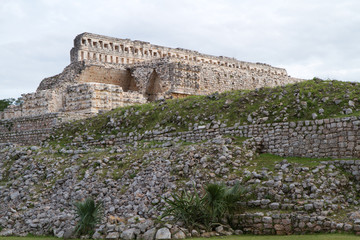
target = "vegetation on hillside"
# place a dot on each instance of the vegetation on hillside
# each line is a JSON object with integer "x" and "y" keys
{"x": 89, "y": 213}
{"x": 4, "y": 103}
{"x": 207, "y": 209}
{"x": 312, "y": 99}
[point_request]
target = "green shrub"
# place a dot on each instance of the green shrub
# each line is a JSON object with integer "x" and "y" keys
{"x": 188, "y": 208}
{"x": 214, "y": 200}
{"x": 207, "y": 209}
{"x": 222, "y": 201}
{"x": 89, "y": 213}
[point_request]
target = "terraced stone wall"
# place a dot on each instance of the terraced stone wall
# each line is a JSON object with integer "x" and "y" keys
{"x": 293, "y": 223}
{"x": 32, "y": 130}
{"x": 335, "y": 138}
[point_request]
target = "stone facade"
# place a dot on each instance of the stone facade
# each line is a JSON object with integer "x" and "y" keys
{"x": 107, "y": 72}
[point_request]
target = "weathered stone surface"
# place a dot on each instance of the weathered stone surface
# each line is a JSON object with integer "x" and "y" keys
{"x": 6, "y": 232}
{"x": 309, "y": 207}
{"x": 163, "y": 233}
{"x": 128, "y": 234}
{"x": 274, "y": 206}
{"x": 195, "y": 233}
{"x": 113, "y": 235}
{"x": 68, "y": 233}
{"x": 150, "y": 234}
{"x": 179, "y": 235}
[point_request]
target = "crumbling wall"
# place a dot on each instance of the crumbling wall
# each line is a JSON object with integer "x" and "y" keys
{"x": 153, "y": 79}
{"x": 41, "y": 102}
{"x": 32, "y": 130}
{"x": 109, "y": 75}
{"x": 93, "y": 97}
{"x": 38, "y": 103}
{"x": 169, "y": 77}
{"x": 68, "y": 76}
{"x": 214, "y": 78}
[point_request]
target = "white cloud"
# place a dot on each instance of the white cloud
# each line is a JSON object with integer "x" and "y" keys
{"x": 308, "y": 38}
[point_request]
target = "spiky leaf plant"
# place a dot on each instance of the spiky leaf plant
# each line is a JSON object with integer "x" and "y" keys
{"x": 89, "y": 213}
{"x": 214, "y": 200}
{"x": 206, "y": 209}
{"x": 232, "y": 196}
{"x": 188, "y": 208}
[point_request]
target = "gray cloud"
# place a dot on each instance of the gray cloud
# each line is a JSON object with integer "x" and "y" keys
{"x": 308, "y": 38}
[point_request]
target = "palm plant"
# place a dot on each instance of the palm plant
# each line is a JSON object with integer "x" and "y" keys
{"x": 89, "y": 213}
{"x": 222, "y": 201}
{"x": 231, "y": 197}
{"x": 214, "y": 200}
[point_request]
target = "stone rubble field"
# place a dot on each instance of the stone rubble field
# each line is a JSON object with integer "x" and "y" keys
{"x": 39, "y": 186}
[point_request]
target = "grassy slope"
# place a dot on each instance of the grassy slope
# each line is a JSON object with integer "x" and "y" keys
{"x": 288, "y": 103}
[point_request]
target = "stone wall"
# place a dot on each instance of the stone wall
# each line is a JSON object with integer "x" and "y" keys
{"x": 93, "y": 97}
{"x": 334, "y": 138}
{"x": 293, "y": 223}
{"x": 32, "y": 130}
{"x": 115, "y": 76}
{"x": 68, "y": 76}
{"x": 205, "y": 79}
{"x": 170, "y": 77}
{"x": 289, "y": 198}
{"x": 34, "y": 104}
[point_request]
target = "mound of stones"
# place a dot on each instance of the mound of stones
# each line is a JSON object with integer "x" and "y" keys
{"x": 39, "y": 187}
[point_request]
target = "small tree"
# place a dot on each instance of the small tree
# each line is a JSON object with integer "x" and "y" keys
{"x": 89, "y": 213}
{"x": 4, "y": 103}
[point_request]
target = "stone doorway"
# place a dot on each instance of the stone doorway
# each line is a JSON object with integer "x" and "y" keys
{"x": 129, "y": 83}
{"x": 153, "y": 88}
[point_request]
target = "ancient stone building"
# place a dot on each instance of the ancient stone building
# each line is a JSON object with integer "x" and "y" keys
{"x": 107, "y": 72}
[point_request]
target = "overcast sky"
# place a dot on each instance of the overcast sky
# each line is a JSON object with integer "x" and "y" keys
{"x": 306, "y": 37}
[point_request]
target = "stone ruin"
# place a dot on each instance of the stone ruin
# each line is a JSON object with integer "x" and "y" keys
{"x": 106, "y": 73}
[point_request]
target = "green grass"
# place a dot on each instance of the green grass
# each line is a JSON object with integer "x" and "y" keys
{"x": 286, "y": 103}
{"x": 292, "y": 237}
{"x": 267, "y": 160}
{"x": 30, "y": 238}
